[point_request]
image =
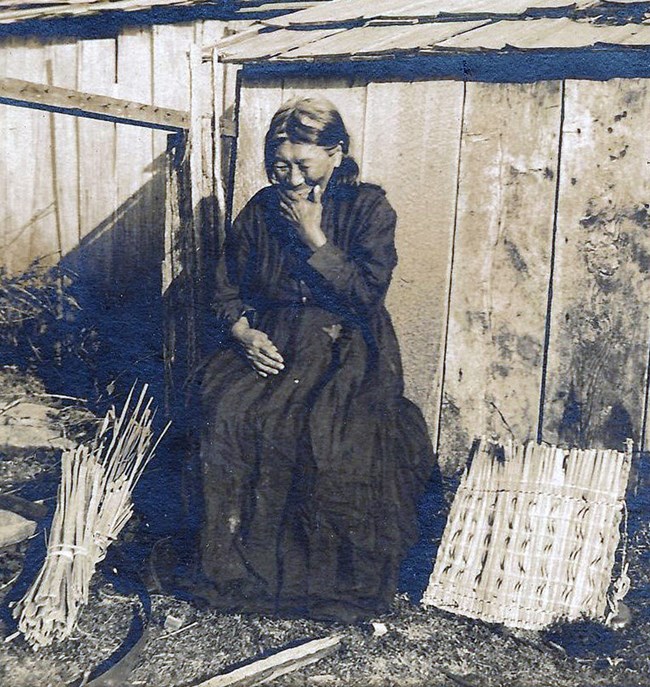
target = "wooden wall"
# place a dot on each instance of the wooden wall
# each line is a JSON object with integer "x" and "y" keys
{"x": 70, "y": 185}
{"x": 521, "y": 296}
{"x": 104, "y": 200}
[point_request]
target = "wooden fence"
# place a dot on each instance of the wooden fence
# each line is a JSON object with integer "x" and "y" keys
{"x": 521, "y": 296}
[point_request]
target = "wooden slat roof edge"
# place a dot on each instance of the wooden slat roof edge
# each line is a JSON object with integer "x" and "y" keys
{"x": 286, "y": 56}
{"x": 351, "y": 12}
{"x": 41, "y": 10}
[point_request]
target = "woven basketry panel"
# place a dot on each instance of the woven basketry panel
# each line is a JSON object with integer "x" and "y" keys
{"x": 532, "y": 535}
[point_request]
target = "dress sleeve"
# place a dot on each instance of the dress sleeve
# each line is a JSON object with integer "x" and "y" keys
{"x": 227, "y": 302}
{"x": 360, "y": 277}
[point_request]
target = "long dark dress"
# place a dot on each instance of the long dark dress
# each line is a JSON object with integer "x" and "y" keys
{"x": 311, "y": 477}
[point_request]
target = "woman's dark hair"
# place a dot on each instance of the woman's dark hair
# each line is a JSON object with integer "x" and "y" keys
{"x": 311, "y": 120}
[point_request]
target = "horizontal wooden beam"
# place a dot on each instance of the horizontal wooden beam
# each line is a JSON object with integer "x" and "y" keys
{"x": 67, "y": 101}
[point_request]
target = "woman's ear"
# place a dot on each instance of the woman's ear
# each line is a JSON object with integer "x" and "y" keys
{"x": 337, "y": 155}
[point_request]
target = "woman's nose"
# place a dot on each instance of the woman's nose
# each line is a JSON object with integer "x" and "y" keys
{"x": 296, "y": 177}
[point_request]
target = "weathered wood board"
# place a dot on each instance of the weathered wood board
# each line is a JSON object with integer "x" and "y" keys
{"x": 501, "y": 266}
{"x": 83, "y": 172}
{"x": 65, "y": 168}
{"x": 201, "y": 137}
{"x": 417, "y": 165}
{"x": 171, "y": 67}
{"x": 137, "y": 219}
{"x": 598, "y": 352}
{"x": 271, "y": 667}
{"x": 258, "y": 102}
{"x": 97, "y": 178}
{"x": 30, "y": 222}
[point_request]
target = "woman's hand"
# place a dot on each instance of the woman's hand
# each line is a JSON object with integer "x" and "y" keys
{"x": 259, "y": 349}
{"x": 305, "y": 214}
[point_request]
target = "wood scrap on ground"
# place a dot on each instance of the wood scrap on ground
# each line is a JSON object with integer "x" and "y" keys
{"x": 14, "y": 528}
{"x": 271, "y": 667}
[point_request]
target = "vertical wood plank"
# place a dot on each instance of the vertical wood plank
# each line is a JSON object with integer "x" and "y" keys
{"x": 65, "y": 170}
{"x": 212, "y": 31}
{"x": 213, "y": 76}
{"x": 228, "y": 126}
{"x": 504, "y": 229}
{"x": 97, "y": 152}
{"x": 31, "y": 219}
{"x": 598, "y": 351}
{"x": 5, "y": 143}
{"x": 201, "y": 134}
{"x": 213, "y": 109}
{"x": 171, "y": 66}
{"x": 171, "y": 88}
{"x": 137, "y": 217}
{"x": 219, "y": 152}
{"x": 258, "y": 102}
{"x": 417, "y": 165}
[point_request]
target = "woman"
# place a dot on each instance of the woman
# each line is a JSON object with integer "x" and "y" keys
{"x": 313, "y": 461}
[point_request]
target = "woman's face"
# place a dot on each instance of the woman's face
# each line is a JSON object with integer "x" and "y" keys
{"x": 301, "y": 166}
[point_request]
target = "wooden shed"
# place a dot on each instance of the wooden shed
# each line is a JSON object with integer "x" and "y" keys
{"x": 511, "y": 137}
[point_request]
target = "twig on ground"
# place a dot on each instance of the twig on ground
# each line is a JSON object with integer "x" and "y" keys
{"x": 11, "y": 581}
{"x": 63, "y": 397}
{"x": 11, "y": 405}
{"x": 180, "y": 629}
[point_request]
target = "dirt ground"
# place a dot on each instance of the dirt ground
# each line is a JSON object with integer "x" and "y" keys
{"x": 423, "y": 647}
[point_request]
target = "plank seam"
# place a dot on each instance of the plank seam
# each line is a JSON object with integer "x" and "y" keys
{"x": 54, "y": 165}
{"x": 362, "y": 137}
{"x": 549, "y": 297}
{"x": 644, "y": 423}
{"x": 77, "y": 129}
{"x": 451, "y": 271}
{"x": 234, "y": 153}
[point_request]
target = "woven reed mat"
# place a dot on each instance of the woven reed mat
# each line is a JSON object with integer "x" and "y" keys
{"x": 532, "y": 536}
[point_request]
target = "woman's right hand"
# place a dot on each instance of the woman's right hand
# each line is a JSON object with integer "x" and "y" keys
{"x": 259, "y": 349}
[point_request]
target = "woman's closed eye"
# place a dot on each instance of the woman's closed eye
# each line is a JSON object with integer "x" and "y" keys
{"x": 282, "y": 168}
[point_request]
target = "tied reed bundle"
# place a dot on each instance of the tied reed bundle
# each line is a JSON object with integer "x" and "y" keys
{"x": 532, "y": 536}
{"x": 94, "y": 504}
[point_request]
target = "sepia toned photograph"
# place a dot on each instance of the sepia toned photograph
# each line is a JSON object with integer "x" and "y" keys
{"x": 324, "y": 343}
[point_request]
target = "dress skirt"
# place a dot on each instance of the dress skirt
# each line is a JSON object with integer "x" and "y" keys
{"x": 312, "y": 476}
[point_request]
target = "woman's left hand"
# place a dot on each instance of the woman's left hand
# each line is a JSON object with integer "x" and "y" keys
{"x": 305, "y": 214}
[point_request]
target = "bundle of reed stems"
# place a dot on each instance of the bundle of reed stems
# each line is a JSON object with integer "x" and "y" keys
{"x": 93, "y": 505}
{"x": 532, "y": 536}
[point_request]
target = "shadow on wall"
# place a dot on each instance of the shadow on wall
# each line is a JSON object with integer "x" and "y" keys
{"x": 117, "y": 282}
